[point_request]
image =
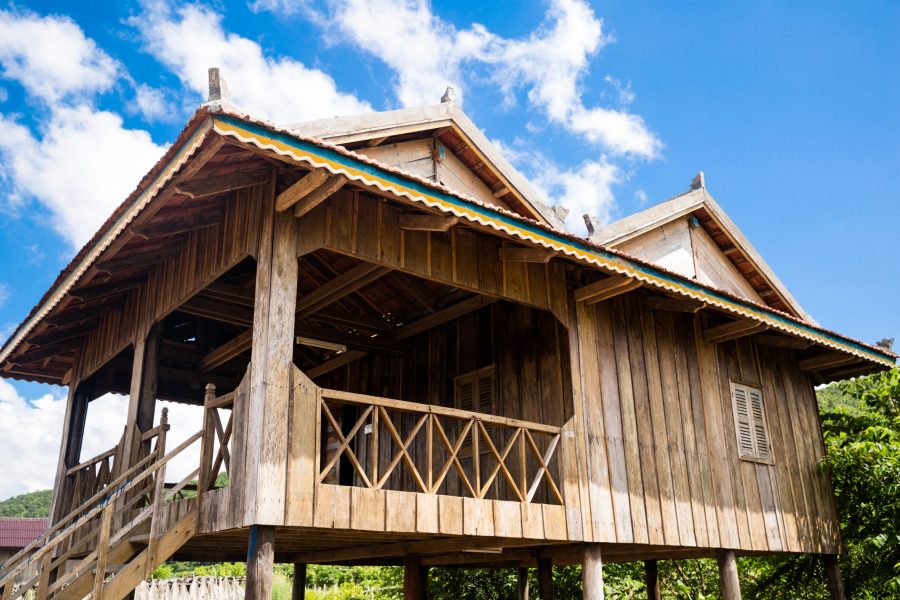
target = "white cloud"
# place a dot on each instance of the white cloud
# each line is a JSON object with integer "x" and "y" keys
{"x": 80, "y": 166}
{"x": 584, "y": 189}
{"x": 51, "y": 57}
{"x": 427, "y": 53}
{"x": 31, "y": 430}
{"x": 190, "y": 39}
{"x": 151, "y": 103}
{"x": 80, "y": 162}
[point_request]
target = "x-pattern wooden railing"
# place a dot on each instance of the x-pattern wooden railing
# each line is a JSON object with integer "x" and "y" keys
{"x": 447, "y": 432}
{"x": 212, "y": 425}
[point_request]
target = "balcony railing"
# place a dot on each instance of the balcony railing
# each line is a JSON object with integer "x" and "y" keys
{"x": 382, "y": 443}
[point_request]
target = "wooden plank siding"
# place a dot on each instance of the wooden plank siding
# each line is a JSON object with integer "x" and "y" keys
{"x": 205, "y": 254}
{"x": 366, "y": 227}
{"x": 663, "y": 462}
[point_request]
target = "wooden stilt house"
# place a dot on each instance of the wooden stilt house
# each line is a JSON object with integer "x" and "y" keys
{"x": 402, "y": 359}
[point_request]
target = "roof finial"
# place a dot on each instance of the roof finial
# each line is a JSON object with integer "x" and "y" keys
{"x": 449, "y": 95}
{"x": 218, "y": 89}
{"x": 699, "y": 181}
{"x": 592, "y": 223}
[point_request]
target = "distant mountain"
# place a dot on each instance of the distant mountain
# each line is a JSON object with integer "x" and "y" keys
{"x": 34, "y": 504}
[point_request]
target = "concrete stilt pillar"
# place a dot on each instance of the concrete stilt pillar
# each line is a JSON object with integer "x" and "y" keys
{"x": 545, "y": 578}
{"x": 728, "y": 575}
{"x": 260, "y": 562}
{"x": 298, "y": 590}
{"x": 651, "y": 576}
{"x": 523, "y": 583}
{"x": 592, "y": 573}
{"x": 833, "y": 573}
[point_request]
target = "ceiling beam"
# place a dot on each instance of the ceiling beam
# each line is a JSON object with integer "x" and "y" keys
{"x": 427, "y": 222}
{"x": 407, "y": 331}
{"x": 58, "y": 334}
{"x": 434, "y": 546}
{"x": 605, "y": 289}
{"x": 218, "y": 311}
{"x": 301, "y": 188}
{"x": 526, "y": 255}
{"x": 211, "y": 186}
{"x": 733, "y": 330}
{"x": 165, "y": 225}
{"x": 226, "y": 352}
{"x": 378, "y": 344}
{"x": 342, "y": 285}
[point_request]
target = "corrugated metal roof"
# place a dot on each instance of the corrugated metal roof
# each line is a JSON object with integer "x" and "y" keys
{"x": 19, "y": 532}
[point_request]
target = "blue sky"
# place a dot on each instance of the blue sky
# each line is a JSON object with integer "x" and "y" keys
{"x": 789, "y": 108}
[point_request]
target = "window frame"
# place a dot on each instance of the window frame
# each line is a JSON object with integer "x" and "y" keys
{"x": 755, "y": 457}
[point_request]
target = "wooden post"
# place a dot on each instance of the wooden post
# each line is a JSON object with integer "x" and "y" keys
{"x": 592, "y": 573}
{"x": 70, "y": 450}
{"x": 159, "y": 496}
{"x": 651, "y": 576}
{"x": 298, "y": 591}
{"x": 260, "y": 563}
{"x": 414, "y": 587}
{"x": 833, "y": 573}
{"x": 523, "y": 583}
{"x": 142, "y": 394}
{"x": 728, "y": 575}
{"x": 272, "y": 364}
{"x": 545, "y": 578}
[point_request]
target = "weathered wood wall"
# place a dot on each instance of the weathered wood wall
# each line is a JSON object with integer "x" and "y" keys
{"x": 662, "y": 454}
{"x": 366, "y": 227}
{"x": 528, "y": 348}
{"x": 205, "y": 254}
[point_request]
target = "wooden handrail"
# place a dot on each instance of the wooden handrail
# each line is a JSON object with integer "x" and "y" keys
{"x": 91, "y": 461}
{"x": 474, "y": 429}
{"x": 444, "y": 411}
{"x": 63, "y": 528}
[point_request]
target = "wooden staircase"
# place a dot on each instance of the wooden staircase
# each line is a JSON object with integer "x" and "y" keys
{"x": 114, "y": 540}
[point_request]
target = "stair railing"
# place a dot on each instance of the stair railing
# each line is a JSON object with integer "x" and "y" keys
{"x": 122, "y": 495}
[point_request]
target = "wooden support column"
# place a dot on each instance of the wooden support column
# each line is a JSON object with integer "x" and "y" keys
{"x": 833, "y": 573}
{"x": 271, "y": 366}
{"x": 545, "y": 578}
{"x": 728, "y": 575}
{"x": 415, "y": 578}
{"x": 142, "y": 395}
{"x": 298, "y": 590}
{"x": 592, "y": 573}
{"x": 651, "y": 577}
{"x": 260, "y": 563}
{"x": 522, "y": 582}
{"x": 70, "y": 448}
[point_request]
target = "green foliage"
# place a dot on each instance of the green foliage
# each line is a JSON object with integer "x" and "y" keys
{"x": 32, "y": 505}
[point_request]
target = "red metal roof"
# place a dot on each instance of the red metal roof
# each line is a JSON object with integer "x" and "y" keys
{"x": 18, "y": 533}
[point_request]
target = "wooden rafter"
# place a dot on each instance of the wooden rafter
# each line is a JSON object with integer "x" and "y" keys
{"x": 674, "y": 304}
{"x": 605, "y": 289}
{"x": 301, "y": 188}
{"x": 407, "y": 331}
{"x": 218, "y": 311}
{"x": 318, "y": 195}
{"x": 827, "y": 361}
{"x": 427, "y": 222}
{"x": 340, "y": 286}
{"x": 169, "y": 226}
{"x": 140, "y": 260}
{"x": 227, "y": 351}
{"x": 109, "y": 288}
{"x": 219, "y": 185}
{"x": 527, "y": 255}
{"x": 733, "y": 330}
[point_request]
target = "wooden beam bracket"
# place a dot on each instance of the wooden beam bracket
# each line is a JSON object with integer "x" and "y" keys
{"x": 605, "y": 289}
{"x": 733, "y": 330}
{"x": 427, "y": 222}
